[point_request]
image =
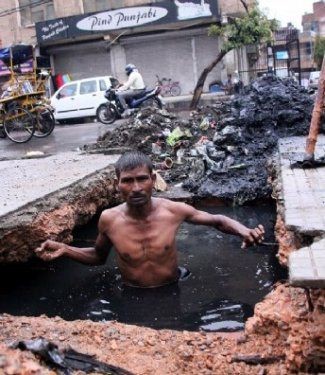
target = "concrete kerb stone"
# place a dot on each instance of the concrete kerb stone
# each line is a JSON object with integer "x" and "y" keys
{"x": 182, "y": 102}
{"x": 303, "y": 193}
{"x": 307, "y": 266}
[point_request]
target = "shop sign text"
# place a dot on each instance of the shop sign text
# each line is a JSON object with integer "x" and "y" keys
{"x": 121, "y": 18}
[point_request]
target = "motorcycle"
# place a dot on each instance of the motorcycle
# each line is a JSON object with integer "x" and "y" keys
{"x": 112, "y": 110}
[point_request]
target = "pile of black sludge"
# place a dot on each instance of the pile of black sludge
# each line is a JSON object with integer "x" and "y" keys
{"x": 222, "y": 150}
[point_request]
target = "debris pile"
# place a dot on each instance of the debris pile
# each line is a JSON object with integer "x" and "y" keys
{"x": 220, "y": 150}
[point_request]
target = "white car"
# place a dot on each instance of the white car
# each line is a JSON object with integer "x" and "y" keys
{"x": 81, "y": 98}
{"x": 313, "y": 80}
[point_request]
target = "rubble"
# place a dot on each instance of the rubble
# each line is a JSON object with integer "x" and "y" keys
{"x": 221, "y": 150}
{"x": 285, "y": 336}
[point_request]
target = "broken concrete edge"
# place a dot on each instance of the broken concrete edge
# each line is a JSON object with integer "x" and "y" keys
{"x": 55, "y": 216}
{"x": 107, "y": 151}
{"x": 296, "y": 242}
{"x": 25, "y": 157}
{"x": 306, "y": 265}
{"x": 45, "y": 202}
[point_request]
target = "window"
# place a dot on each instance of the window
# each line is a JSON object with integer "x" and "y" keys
{"x": 69, "y": 90}
{"x": 314, "y": 26}
{"x": 32, "y": 11}
{"x": 101, "y": 5}
{"x": 88, "y": 87}
{"x": 102, "y": 85}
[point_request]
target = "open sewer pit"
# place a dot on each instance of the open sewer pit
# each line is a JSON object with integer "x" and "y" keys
{"x": 218, "y": 292}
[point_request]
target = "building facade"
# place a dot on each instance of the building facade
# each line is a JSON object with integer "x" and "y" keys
{"x": 313, "y": 25}
{"x": 176, "y": 45}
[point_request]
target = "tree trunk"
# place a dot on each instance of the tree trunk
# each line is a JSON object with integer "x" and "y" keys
{"x": 200, "y": 83}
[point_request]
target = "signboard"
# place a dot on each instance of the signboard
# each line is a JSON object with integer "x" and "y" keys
{"x": 164, "y": 12}
{"x": 281, "y": 55}
{"x": 26, "y": 67}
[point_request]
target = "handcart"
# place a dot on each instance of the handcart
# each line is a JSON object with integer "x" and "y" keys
{"x": 24, "y": 108}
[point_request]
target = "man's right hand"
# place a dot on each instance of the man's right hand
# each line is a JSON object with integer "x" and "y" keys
{"x": 50, "y": 250}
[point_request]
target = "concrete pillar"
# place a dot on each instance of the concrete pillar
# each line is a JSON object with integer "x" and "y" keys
{"x": 194, "y": 60}
{"x": 228, "y": 65}
{"x": 244, "y": 66}
{"x": 118, "y": 61}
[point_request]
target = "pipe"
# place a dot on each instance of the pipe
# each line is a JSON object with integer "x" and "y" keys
{"x": 316, "y": 117}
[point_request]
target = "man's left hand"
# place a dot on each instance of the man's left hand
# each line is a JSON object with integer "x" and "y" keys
{"x": 253, "y": 236}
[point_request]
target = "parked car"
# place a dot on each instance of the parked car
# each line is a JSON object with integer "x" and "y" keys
{"x": 81, "y": 98}
{"x": 313, "y": 80}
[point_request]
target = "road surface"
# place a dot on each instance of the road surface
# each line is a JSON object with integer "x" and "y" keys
{"x": 64, "y": 138}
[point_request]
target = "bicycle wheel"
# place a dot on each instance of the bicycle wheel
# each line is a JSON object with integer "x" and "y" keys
{"x": 45, "y": 122}
{"x": 19, "y": 125}
{"x": 175, "y": 90}
{"x": 165, "y": 91}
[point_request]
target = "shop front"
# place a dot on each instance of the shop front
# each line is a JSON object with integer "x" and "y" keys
{"x": 168, "y": 39}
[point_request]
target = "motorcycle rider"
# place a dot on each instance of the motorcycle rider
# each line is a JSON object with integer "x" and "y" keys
{"x": 133, "y": 87}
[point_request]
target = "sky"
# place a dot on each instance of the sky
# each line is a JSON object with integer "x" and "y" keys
{"x": 287, "y": 10}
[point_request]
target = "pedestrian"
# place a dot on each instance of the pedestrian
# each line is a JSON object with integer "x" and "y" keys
{"x": 143, "y": 229}
{"x": 132, "y": 88}
{"x": 229, "y": 86}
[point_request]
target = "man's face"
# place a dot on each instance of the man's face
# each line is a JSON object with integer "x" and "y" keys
{"x": 136, "y": 186}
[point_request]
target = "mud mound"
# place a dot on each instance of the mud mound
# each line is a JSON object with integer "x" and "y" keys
{"x": 220, "y": 150}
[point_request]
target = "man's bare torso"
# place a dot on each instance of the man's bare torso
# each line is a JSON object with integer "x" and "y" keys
{"x": 146, "y": 249}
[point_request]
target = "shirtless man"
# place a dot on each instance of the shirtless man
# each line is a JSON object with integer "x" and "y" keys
{"x": 143, "y": 229}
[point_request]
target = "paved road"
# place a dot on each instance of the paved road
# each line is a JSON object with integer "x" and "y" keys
{"x": 64, "y": 138}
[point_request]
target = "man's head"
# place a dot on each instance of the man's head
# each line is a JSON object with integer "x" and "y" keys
{"x": 135, "y": 180}
{"x": 129, "y": 69}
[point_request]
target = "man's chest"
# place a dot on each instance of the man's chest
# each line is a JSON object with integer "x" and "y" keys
{"x": 144, "y": 240}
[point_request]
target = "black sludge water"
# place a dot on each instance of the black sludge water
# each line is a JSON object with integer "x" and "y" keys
{"x": 219, "y": 295}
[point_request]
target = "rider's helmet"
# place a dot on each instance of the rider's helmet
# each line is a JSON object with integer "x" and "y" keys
{"x": 129, "y": 69}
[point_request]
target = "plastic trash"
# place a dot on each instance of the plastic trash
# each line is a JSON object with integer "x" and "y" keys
{"x": 67, "y": 360}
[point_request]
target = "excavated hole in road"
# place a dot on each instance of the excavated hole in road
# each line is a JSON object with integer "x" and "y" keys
{"x": 219, "y": 295}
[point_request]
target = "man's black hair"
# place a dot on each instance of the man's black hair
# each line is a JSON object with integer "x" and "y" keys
{"x": 131, "y": 160}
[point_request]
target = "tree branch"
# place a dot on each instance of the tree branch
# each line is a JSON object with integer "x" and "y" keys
{"x": 244, "y": 4}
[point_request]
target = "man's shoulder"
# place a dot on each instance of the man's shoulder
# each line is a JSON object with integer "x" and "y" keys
{"x": 172, "y": 206}
{"x": 136, "y": 74}
{"x": 112, "y": 213}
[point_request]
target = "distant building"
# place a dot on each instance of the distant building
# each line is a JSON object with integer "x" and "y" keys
{"x": 315, "y": 22}
{"x": 292, "y": 51}
{"x": 313, "y": 25}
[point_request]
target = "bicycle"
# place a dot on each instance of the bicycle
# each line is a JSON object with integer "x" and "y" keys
{"x": 169, "y": 87}
{"x": 43, "y": 119}
{"x": 24, "y": 108}
{"x": 17, "y": 124}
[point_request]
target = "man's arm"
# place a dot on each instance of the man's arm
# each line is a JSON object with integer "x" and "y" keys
{"x": 50, "y": 250}
{"x": 224, "y": 224}
{"x": 128, "y": 83}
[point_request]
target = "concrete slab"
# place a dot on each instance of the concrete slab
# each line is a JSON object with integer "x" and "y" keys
{"x": 182, "y": 102}
{"x": 307, "y": 266}
{"x": 303, "y": 189}
{"x": 25, "y": 181}
{"x": 303, "y": 192}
